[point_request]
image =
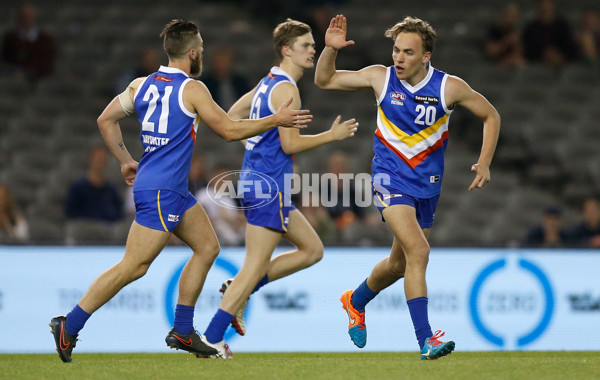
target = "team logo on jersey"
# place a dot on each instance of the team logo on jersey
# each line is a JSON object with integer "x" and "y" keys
{"x": 424, "y": 99}
{"x": 162, "y": 78}
{"x": 397, "y": 98}
{"x": 434, "y": 179}
{"x": 173, "y": 218}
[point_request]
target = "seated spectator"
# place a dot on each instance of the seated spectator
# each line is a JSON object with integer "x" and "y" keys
{"x": 92, "y": 196}
{"x": 586, "y": 234}
{"x": 504, "y": 40}
{"x": 345, "y": 211}
{"x": 148, "y": 64}
{"x": 13, "y": 225}
{"x": 26, "y": 50}
{"x": 548, "y": 38}
{"x": 548, "y": 234}
{"x": 588, "y": 37}
{"x": 225, "y": 85}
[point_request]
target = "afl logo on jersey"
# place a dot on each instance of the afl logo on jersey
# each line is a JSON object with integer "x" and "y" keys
{"x": 397, "y": 98}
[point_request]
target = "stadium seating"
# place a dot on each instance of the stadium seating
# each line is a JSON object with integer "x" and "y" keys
{"x": 549, "y": 132}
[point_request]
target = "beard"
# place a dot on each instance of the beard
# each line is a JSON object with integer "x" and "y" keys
{"x": 196, "y": 67}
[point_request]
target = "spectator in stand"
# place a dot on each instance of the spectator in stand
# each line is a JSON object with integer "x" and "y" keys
{"x": 321, "y": 222}
{"x": 548, "y": 38}
{"x": 586, "y": 234}
{"x": 13, "y": 225}
{"x": 345, "y": 212}
{"x": 197, "y": 176}
{"x": 149, "y": 61}
{"x": 26, "y": 50}
{"x": 549, "y": 233}
{"x": 588, "y": 37}
{"x": 224, "y": 212}
{"x": 93, "y": 196}
{"x": 504, "y": 39}
{"x": 225, "y": 85}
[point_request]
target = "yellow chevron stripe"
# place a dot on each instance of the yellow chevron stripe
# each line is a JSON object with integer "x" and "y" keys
{"x": 412, "y": 140}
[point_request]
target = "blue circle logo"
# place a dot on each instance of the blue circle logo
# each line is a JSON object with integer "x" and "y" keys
{"x": 540, "y": 326}
{"x": 171, "y": 291}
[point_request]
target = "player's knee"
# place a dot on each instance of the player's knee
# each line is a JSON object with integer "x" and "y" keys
{"x": 139, "y": 271}
{"x": 211, "y": 251}
{"x": 420, "y": 255}
{"x": 315, "y": 252}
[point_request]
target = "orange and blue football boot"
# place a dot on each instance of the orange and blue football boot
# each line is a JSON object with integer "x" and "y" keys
{"x": 435, "y": 348}
{"x": 356, "y": 329}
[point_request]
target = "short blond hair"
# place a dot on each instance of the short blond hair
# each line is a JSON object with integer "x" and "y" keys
{"x": 415, "y": 25}
{"x": 285, "y": 34}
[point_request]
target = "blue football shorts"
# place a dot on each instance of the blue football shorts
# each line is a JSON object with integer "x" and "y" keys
{"x": 425, "y": 207}
{"x": 270, "y": 212}
{"x": 161, "y": 209}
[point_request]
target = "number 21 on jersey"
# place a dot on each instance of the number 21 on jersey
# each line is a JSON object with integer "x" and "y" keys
{"x": 153, "y": 95}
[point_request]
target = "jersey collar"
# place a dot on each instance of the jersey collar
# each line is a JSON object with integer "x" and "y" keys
{"x": 276, "y": 70}
{"x": 171, "y": 70}
{"x": 419, "y": 85}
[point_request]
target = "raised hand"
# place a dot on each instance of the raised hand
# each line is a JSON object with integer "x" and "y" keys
{"x": 292, "y": 118}
{"x": 343, "y": 130}
{"x": 335, "y": 36}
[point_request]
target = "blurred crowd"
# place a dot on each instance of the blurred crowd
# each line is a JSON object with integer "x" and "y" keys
{"x": 548, "y": 38}
{"x": 96, "y": 203}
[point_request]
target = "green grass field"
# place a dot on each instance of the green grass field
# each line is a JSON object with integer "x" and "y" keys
{"x": 307, "y": 366}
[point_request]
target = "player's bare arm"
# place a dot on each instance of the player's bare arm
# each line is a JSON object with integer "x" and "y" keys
{"x": 458, "y": 92}
{"x": 241, "y": 108}
{"x": 108, "y": 123}
{"x": 197, "y": 99}
{"x": 292, "y": 141}
{"x": 326, "y": 75}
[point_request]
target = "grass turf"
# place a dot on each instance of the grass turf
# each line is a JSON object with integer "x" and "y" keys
{"x": 306, "y": 366}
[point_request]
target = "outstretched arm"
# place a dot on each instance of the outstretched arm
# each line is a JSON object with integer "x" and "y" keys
{"x": 326, "y": 75}
{"x": 197, "y": 99}
{"x": 458, "y": 92}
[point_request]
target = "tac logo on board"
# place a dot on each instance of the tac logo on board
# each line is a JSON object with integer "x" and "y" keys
{"x": 511, "y": 302}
